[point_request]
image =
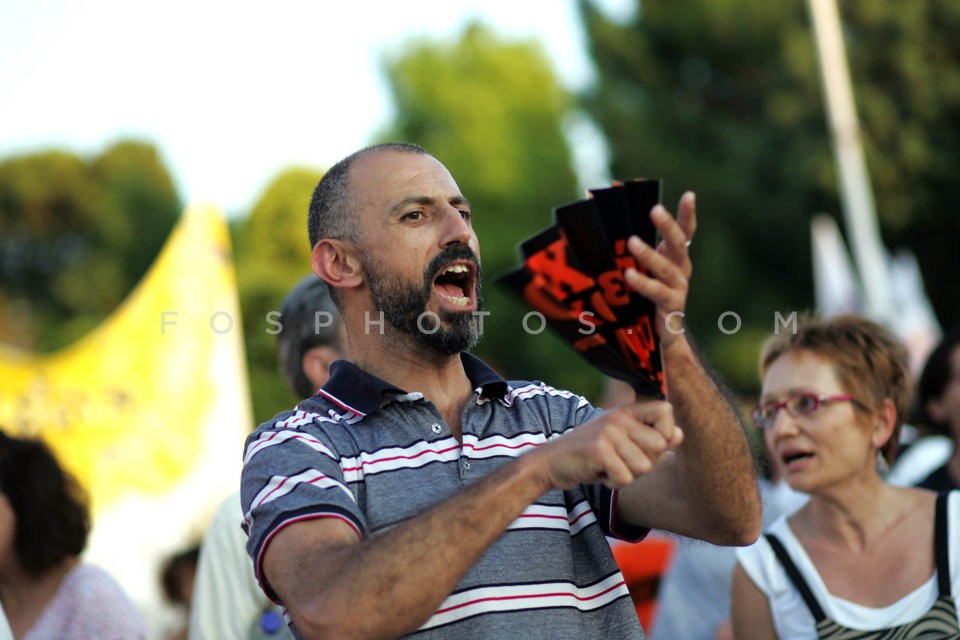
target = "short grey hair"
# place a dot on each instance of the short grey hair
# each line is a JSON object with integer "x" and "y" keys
{"x": 329, "y": 215}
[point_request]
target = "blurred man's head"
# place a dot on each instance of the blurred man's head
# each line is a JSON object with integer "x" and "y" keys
{"x": 937, "y": 397}
{"x": 310, "y": 338}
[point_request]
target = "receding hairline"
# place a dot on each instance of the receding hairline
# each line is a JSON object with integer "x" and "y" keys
{"x": 335, "y": 188}
{"x": 372, "y": 154}
{"x": 375, "y": 151}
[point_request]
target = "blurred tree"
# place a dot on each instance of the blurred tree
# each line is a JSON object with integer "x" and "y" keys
{"x": 76, "y": 236}
{"x": 724, "y": 98}
{"x": 272, "y": 254}
{"x": 905, "y": 62}
{"x": 492, "y": 111}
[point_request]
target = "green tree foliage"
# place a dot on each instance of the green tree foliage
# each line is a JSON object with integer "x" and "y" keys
{"x": 272, "y": 254}
{"x": 906, "y": 66}
{"x": 491, "y": 110}
{"x": 723, "y": 97}
{"x": 76, "y": 236}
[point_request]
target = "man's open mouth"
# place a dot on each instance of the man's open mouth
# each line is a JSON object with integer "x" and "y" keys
{"x": 456, "y": 283}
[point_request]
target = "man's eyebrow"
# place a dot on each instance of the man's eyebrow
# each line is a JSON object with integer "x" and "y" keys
{"x": 460, "y": 200}
{"x": 427, "y": 201}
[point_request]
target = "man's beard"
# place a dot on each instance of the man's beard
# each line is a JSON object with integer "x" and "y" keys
{"x": 403, "y": 302}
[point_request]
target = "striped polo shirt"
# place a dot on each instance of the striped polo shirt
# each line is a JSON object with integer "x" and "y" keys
{"x": 374, "y": 455}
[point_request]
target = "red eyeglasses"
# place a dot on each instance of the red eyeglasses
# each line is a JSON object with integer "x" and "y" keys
{"x": 797, "y": 405}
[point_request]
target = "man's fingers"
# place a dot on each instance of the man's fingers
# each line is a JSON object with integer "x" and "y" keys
{"x": 674, "y": 237}
{"x": 642, "y": 432}
{"x": 677, "y": 232}
{"x": 662, "y": 278}
{"x": 619, "y": 473}
{"x": 618, "y": 447}
{"x": 656, "y": 264}
{"x": 687, "y": 215}
{"x": 659, "y": 415}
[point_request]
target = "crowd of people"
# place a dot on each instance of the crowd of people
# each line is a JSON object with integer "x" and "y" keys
{"x": 415, "y": 492}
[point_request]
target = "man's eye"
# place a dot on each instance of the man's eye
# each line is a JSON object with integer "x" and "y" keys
{"x": 413, "y": 215}
{"x": 465, "y": 214}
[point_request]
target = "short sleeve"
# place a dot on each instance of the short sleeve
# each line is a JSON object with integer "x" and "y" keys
{"x": 292, "y": 472}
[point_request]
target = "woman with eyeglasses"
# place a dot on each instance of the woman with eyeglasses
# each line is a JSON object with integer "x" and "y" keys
{"x": 861, "y": 558}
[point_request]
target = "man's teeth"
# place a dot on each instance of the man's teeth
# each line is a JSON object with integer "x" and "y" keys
{"x": 460, "y": 301}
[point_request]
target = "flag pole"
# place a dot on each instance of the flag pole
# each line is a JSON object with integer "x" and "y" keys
{"x": 858, "y": 205}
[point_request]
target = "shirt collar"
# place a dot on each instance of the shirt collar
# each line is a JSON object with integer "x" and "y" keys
{"x": 357, "y": 391}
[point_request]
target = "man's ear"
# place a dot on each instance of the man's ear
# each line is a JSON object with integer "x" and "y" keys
{"x": 337, "y": 263}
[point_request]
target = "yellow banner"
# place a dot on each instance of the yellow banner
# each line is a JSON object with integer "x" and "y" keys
{"x": 125, "y": 408}
{"x": 148, "y": 411}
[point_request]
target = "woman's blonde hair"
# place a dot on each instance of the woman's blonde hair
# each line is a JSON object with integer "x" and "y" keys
{"x": 869, "y": 361}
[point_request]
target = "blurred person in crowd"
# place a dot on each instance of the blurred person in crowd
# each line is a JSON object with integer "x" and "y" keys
{"x": 421, "y": 493}
{"x": 47, "y": 591}
{"x": 938, "y": 407}
{"x": 228, "y": 604}
{"x": 861, "y": 558}
{"x": 929, "y": 442}
{"x": 921, "y": 451}
{"x": 693, "y": 602}
{"x": 177, "y": 576}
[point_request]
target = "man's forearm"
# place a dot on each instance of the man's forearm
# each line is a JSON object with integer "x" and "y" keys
{"x": 714, "y": 464}
{"x": 392, "y": 583}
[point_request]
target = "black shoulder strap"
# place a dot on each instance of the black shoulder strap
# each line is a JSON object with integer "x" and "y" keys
{"x": 940, "y": 548}
{"x": 795, "y": 577}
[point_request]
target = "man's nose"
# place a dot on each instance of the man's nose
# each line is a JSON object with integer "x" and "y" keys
{"x": 457, "y": 228}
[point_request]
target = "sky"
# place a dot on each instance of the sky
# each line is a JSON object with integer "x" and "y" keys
{"x": 231, "y": 93}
